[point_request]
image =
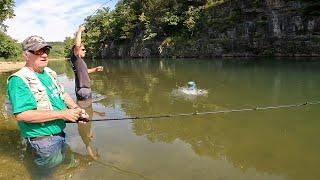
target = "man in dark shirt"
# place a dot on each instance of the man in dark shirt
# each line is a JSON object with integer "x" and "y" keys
{"x": 81, "y": 71}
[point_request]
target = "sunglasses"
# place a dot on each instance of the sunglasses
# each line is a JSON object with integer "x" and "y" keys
{"x": 41, "y": 51}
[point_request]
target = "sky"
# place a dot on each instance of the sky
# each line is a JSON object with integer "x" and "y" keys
{"x": 52, "y": 19}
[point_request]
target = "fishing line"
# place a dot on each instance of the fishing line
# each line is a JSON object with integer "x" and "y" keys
{"x": 208, "y": 112}
{"x": 96, "y": 10}
{"x": 122, "y": 171}
{"x": 100, "y": 7}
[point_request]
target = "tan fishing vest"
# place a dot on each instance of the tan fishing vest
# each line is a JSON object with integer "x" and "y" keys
{"x": 37, "y": 88}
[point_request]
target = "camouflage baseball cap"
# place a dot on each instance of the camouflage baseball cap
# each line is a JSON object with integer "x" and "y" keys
{"x": 34, "y": 43}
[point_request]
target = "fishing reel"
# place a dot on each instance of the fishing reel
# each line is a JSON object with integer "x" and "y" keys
{"x": 85, "y": 28}
{"x": 84, "y": 117}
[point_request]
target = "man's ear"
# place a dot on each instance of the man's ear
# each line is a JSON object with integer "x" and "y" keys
{"x": 25, "y": 55}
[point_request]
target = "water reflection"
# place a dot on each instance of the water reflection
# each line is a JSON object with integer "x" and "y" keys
{"x": 259, "y": 140}
{"x": 255, "y": 145}
{"x": 84, "y": 129}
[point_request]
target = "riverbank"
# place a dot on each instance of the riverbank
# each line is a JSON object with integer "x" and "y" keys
{"x": 7, "y": 66}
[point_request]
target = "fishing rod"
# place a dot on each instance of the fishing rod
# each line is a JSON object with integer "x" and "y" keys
{"x": 207, "y": 112}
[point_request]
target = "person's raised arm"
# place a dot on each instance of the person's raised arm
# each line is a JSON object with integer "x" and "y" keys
{"x": 77, "y": 40}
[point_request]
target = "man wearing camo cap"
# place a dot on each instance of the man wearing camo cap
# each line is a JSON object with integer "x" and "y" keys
{"x": 40, "y": 104}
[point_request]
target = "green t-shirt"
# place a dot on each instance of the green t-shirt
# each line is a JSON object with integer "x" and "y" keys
{"x": 22, "y": 99}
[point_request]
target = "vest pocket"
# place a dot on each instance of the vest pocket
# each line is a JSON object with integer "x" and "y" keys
{"x": 39, "y": 91}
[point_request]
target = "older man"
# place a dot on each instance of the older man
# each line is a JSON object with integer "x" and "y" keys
{"x": 40, "y": 104}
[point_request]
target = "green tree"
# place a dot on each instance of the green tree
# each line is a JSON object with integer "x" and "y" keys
{"x": 137, "y": 21}
{"x": 9, "y": 48}
{"x": 57, "y": 50}
{"x": 98, "y": 29}
{"x": 311, "y": 8}
{"x": 6, "y": 11}
{"x": 68, "y": 43}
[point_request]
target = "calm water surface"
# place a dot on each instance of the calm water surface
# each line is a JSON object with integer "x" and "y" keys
{"x": 271, "y": 144}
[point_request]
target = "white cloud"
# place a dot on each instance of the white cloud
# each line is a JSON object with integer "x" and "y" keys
{"x": 52, "y": 19}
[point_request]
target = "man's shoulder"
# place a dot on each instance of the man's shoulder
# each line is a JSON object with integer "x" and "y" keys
{"x": 74, "y": 57}
{"x": 14, "y": 79}
{"x": 22, "y": 73}
{"x": 15, "y": 82}
{"x": 17, "y": 73}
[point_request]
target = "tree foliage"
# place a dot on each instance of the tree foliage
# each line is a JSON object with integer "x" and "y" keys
{"x": 6, "y": 11}
{"x": 68, "y": 43}
{"x": 312, "y": 7}
{"x": 136, "y": 23}
{"x": 57, "y": 50}
{"x": 147, "y": 20}
{"x": 8, "y": 47}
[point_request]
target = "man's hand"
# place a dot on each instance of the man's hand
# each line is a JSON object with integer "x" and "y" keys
{"x": 99, "y": 68}
{"x": 71, "y": 114}
{"x": 82, "y": 28}
{"x": 95, "y": 69}
{"x": 84, "y": 117}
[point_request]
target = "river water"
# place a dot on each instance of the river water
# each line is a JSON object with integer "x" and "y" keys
{"x": 263, "y": 144}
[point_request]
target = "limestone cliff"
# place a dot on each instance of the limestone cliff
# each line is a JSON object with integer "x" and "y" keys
{"x": 239, "y": 28}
